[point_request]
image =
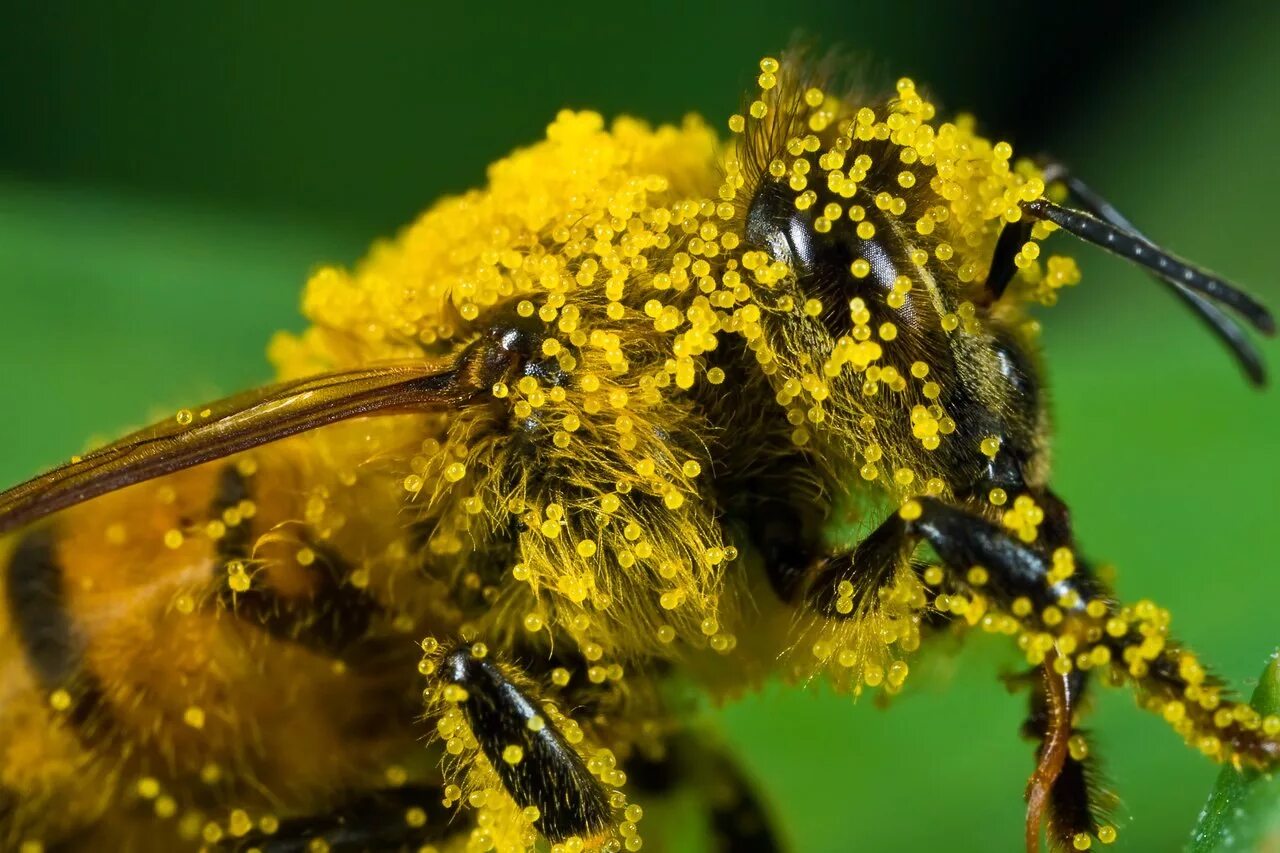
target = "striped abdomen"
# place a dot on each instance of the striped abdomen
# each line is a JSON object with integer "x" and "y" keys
{"x": 200, "y": 655}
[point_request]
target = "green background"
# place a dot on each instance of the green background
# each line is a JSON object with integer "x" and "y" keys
{"x": 169, "y": 174}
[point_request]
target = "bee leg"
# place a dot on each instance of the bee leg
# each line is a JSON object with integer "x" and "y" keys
{"x": 1059, "y": 787}
{"x": 961, "y": 539}
{"x": 1064, "y": 789}
{"x": 543, "y": 770}
{"x": 739, "y": 819}
{"x": 333, "y": 620}
{"x": 393, "y": 819}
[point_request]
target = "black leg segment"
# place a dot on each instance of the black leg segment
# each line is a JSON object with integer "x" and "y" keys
{"x": 962, "y": 540}
{"x": 1063, "y": 793}
{"x": 1060, "y": 790}
{"x": 535, "y": 763}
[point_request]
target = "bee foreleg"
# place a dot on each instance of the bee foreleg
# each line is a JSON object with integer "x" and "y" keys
{"x": 531, "y": 757}
{"x": 961, "y": 540}
{"x": 1060, "y": 788}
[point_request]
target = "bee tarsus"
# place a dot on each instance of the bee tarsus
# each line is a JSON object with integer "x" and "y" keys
{"x": 1064, "y": 790}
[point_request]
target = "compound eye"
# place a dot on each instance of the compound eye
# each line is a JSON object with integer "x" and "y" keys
{"x": 822, "y": 261}
{"x": 775, "y": 225}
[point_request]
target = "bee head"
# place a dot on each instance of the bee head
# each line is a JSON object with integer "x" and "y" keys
{"x": 881, "y": 217}
{"x": 885, "y": 219}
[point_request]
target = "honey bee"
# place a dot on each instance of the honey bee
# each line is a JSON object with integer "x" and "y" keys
{"x": 568, "y": 446}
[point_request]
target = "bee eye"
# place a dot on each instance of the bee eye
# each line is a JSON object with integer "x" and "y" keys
{"x": 822, "y": 261}
{"x": 777, "y": 226}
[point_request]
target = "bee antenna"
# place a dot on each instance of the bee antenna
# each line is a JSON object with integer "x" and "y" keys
{"x": 1197, "y": 288}
{"x": 1227, "y": 330}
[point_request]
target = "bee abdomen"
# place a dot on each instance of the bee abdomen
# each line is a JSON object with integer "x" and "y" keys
{"x": 127, "y": 665}
{"x": 53, "y": 720}
{"x": 45, "y": 631}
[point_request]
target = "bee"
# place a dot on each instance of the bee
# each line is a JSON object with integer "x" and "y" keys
{"x": 568, "y": 450}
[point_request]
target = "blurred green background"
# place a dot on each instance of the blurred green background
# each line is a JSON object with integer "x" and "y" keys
{"x": 170, "y": 172}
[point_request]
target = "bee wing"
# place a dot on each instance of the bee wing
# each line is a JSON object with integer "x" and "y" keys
{"x": 242, "y": 422}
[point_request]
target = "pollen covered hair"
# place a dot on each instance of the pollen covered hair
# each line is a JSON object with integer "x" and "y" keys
{"x": 625, "y": 245}
{"x": 672, "y": 364}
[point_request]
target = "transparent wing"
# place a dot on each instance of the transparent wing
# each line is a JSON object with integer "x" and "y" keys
{"x": 237, "y": 424}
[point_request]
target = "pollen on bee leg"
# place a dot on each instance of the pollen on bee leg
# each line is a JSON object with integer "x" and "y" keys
{"x": 1023, "y": 518}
